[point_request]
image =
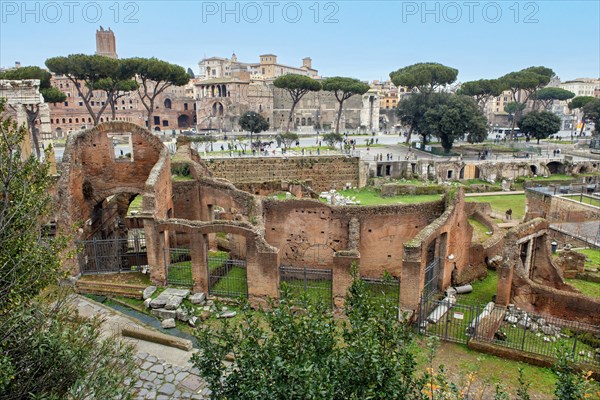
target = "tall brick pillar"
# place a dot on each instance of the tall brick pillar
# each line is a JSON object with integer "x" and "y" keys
{"x": 198, "y": 249}
{"x": 505, "y": 275}
{"x": 411, "y": 279}
{"x": 154, "y": 249}
{"x": 342, "y": 277}
{"x": 262, "y": 269}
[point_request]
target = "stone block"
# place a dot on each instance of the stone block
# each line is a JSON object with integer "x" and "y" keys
{"x": 173, "y": 302}
{"x": 176, "y": 292}
{"x": 197, "y": 298}
{"x": 164, "y": 314}
{"x": 148, "y": 292}
{"x": 158, "y": 302}
{"x": 168, "y": 323}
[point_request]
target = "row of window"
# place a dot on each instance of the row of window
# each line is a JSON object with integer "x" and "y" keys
{"x": 77, "y": 120}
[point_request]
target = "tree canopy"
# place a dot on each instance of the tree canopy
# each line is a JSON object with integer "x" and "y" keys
{"x": 591, "y": 112}
{"x": 155, "y": 77}
{"x": 333, "y": 138}
{"x": 548, "y": 94}
{"x": 425, "y": 77}
{"x": 46, "y": 350}
{"x": 580, "y": 102}
{"x": 296, "y": 86}
{"x": 482, "y": 90}
{"x": 296, "y": 355}
{"x": 539, "y": 124}
{"x": 453, "y": 117}
{"x": 87, "y": 73}
{"x": 253, "y": 122}
{"x": 344, "y": 88}
{"x": 287, "y": 138}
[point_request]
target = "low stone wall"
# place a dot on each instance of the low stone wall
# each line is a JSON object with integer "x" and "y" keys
{"x": 325, "y": 172}
{"x": 517, "y": 355}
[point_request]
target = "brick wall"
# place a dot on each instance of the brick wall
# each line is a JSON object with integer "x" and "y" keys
{"x": 325, "y": 172}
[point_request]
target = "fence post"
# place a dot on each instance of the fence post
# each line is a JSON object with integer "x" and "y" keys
{"x": 476, "y": 327}
{"x": 524, "y": 332}
{"x": 419, "y": 314}
{"x": 165, "y": 264}
{"x": 95, "y": 254}
{"x": 575, "y": 343}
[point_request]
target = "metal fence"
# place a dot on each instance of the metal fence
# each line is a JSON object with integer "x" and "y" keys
{"x": 432, "y": 275}
{"x": 382, "y": 290}
{"x": 178, "y": 262}
{"x": 315, "y": 283}
{"x": 509, "y": 327}
{"x": 226, "y": 275}
{"x": 113, "y": 254}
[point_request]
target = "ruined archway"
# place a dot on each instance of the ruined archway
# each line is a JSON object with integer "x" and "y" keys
{"x": 183, "y": 121}
{"x": 94, "y": 170}
{"x": 556, "y": 167}
{"x": 534, "y": 169}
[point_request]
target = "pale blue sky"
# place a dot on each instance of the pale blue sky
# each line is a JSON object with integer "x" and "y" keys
{"x": 363, "y": 39}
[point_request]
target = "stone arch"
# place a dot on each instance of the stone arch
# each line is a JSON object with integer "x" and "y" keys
{"x": 556, "y": 167}
{"x": 582, "y": 169}
{"x": 183, "y": 121}
{"x": 534, "y": 169}
{"x": 91, "y": 173}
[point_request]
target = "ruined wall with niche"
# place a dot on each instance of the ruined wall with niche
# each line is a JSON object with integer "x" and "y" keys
{"x": 449, "y": 236}
{"x": 325, "y": 172}
{"x": 488, "y": 170}
{"x": 310, "y": 232}
{"x": 92, "y": 172}
{"x": 307, "y": 232}
{"x": 540, "y": 289}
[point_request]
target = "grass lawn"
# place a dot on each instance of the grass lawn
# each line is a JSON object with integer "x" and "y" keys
{"x": 591, "y": 289}
{"x": 483, "y": 290}
{"x": 180, "y": 273}
{"x": 317, "y": 291}
{"x": 460, "y": 361}
{"x": 371, "y": 197}
{"x": 136, "y": 205}
{"x": 584, "y": 199}
{"x": 593, "y": 255}
{"x": 501, "y": 203}
{"x": 216, "y": 259}
{"x": 479, "y": 231}
{"x": 233, "y": 284}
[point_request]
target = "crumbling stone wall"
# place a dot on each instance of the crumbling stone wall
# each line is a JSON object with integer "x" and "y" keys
{"x": 325, "y": 172}
{"x": 91, "y": 173}
{"x": 558, "y": 209}
{"x": 450, "y": 234}
{"x": 545, "y": 292}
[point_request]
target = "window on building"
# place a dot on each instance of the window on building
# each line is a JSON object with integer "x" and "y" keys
{"x": 185, "y": 106}
{"x": 70, "y": 120}
{"x": 165, "y": 122}
{"x": 66, "y": 104}
{"x": 156, "y": 120}
{"x": 76, "y": 120}
{"x": 168, "y": 103}
{"x": 81, "y": 104}
{"x": 92, "y": 103}
{"x": 64, "y": 121}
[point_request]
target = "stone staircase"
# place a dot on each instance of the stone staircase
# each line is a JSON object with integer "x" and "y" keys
{"x": 114, "y": 289}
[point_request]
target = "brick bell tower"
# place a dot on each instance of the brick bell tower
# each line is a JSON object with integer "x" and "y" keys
{"x": 105, "y": 43}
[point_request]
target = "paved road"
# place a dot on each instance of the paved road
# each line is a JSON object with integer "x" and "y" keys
{"x": 163, "y": 372}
